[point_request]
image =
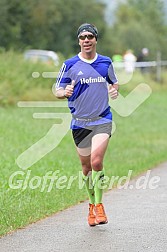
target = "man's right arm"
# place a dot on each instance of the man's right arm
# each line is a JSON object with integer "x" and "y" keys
{"x": 63, "y": 87}
{"x": 59, "y": 87}
{"x": 60, "y": 93}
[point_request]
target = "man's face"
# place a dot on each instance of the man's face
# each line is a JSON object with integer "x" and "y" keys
{"x": 87, "y": 42}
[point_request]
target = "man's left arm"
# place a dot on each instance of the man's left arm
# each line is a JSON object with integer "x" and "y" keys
{"x": 113, "y": 82}
{"x": 113, "y": 91}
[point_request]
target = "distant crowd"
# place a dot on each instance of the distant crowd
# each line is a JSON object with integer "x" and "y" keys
{"x": 129, "y": 59}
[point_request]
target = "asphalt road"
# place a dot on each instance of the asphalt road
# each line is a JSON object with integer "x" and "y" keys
{"x": 137, "y": 222}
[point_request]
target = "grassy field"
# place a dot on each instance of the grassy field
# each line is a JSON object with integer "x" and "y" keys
{"x": 138, "y": 144}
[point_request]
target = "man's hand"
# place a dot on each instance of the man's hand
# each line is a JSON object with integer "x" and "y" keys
{"x": 68, "y": 91}
{"x": 113, "y": 92}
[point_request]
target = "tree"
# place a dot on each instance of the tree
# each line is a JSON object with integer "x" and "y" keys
{"x": 140, "y": 24}
{"x": 50, "y": 24}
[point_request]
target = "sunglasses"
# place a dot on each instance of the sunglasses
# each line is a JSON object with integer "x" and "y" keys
{"x": 89, "y": 36}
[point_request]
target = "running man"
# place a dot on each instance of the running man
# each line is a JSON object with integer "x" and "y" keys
{"x": 87, "y": 80}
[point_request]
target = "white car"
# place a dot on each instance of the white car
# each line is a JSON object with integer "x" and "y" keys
{"x": 42, "y": 55}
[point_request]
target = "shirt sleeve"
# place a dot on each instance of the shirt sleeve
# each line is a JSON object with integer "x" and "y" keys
{"x": 112, "y": 78}
{"x": 63, "y": 78}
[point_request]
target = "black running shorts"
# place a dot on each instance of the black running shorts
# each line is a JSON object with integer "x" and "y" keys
{"x": 83, "y": 137}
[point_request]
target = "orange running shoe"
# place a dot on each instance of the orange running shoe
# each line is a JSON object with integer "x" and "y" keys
{"x": 91, "y": 215}
{"x": 101, "y": 217}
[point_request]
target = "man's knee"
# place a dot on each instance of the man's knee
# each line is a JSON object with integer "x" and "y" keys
{"x": 97, "y": 164}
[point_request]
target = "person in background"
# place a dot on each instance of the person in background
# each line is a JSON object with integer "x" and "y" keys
{"x": 87, "y": 80}
{"x": 117, "y": 61}
{"x": 142, "y": 57}
{"x": 117, "y": 58}
{"x": 129, "y": 61}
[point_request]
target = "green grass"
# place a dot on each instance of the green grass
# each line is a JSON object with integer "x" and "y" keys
{"x": 139, "y": 143}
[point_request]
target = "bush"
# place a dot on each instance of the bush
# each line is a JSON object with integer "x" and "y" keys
{"x": 17, "y": 82}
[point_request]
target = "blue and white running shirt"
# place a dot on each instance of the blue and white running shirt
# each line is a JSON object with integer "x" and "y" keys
{"x": 90, "y": 97}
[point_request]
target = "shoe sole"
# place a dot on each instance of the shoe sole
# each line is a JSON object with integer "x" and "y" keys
{"x": 93, "y": 225}
{"x": 101, "y": 222}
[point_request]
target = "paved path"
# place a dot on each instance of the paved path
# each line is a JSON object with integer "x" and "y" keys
{"x": 137, "y": 223}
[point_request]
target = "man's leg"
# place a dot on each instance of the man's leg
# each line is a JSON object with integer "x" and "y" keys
{"x": 87, "y": 178}
{"x": 87, "y": 175}
{"x": 99, "y": 146}
{"x": 93, "y": 158}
